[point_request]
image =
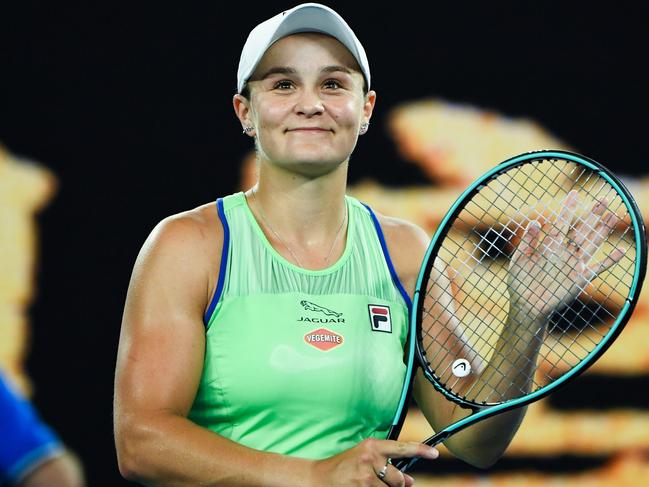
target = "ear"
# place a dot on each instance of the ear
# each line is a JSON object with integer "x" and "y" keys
{"x": 368, "y": 106}
{"x": 243, "y": 112}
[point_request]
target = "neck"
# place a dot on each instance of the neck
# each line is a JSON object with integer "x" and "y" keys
{"x": 304, "y": 218}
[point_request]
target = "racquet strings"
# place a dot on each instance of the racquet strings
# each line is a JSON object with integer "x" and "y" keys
{"x": 474, "y": 257}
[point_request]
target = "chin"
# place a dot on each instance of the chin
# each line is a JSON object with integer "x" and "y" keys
{"x": 314, "y": 166}
{"x": 315, "y": 156}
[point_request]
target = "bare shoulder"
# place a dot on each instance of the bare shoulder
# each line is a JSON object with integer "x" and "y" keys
{"x": 63, "y": 470}
{"x": 187, "y": 246}
{"x": 407, "y": 244}
{"x": 192, "y": 228}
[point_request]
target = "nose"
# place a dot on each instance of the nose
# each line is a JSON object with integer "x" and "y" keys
{"x": 309, "y": 103}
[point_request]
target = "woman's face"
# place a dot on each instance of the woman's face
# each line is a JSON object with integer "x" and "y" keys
{"x": 306, "y": 103}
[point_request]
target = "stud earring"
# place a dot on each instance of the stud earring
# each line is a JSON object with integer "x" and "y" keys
{"x": 247, "y": 130}
{"x": 364, "y": 127}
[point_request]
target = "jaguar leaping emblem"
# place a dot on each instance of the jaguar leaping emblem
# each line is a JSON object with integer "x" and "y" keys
{"x": 309, "y": 306}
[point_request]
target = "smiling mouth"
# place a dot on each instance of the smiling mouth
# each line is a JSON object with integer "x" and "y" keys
{"x": 309, "y": 130}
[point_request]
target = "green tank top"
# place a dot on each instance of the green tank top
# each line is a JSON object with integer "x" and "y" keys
{"x": 301, "y": 362}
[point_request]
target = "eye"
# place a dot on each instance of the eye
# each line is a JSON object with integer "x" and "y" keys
{"x": 284, "y": 84}
{"x": 332, "y": 84}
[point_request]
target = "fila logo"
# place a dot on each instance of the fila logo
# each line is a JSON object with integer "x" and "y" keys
{"x": 380, "y": 318}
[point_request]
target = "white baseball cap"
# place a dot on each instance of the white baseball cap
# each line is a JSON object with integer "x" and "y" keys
{"x": 307, "y": 17}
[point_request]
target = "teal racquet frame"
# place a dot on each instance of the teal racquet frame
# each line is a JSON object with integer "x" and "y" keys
{"x": 482, "y": 411}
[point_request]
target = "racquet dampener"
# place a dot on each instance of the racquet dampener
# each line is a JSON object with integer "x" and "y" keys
{"x": 530, "y": 277}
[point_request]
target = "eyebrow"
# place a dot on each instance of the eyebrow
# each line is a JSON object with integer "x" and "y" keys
{"x": 289, "y": 70}
{"x": 277, "y": 70}
{"x": 332, "y": 69}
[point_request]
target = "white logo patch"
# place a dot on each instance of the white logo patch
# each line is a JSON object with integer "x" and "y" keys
{"x": 461, "y": 367}
{"x": 380, "y": 318}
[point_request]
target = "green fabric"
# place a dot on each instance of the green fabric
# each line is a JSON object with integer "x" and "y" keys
{"x": 292, "y": 362}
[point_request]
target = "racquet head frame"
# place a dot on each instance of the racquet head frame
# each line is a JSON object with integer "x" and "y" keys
{"x": 415, "y": 340}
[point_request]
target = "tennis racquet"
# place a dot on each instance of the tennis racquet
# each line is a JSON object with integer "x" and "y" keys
{"x": 529, "y": 278}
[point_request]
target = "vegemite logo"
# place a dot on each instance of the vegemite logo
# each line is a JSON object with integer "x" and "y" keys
{"x": 380, "y": 318}
{"x": 330, "y": 316}
{"x": 323, "y": 339}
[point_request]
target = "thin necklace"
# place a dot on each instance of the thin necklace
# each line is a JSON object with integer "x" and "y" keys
{"x": 263, "y": 217}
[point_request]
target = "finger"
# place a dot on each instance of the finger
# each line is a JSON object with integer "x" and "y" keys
{"x": 601, "y": 231}
{"x": 402, "y": 449}
{"x": 395, "y": 478}
{"x": 530, "y": 240}
{"x": 561, "y": 226}
{"x": 586, "y": 226}
{"x": 600, "y": 267}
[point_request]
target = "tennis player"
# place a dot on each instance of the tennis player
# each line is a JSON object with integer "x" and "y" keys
{"x": 31, "y": 455}
{"x": 263, "y": 335}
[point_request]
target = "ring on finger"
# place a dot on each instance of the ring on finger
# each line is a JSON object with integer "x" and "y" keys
{"x": 384, "y": 470}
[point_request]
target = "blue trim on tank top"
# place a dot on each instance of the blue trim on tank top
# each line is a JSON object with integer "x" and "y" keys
{"x": 224, "y": 262}
{"x": 388, "y": 260}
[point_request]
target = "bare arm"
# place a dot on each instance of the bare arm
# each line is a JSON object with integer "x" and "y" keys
{"x": 482, "y": 444}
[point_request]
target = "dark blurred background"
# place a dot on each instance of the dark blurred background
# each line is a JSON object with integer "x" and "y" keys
{"x": 129, "y": 104}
